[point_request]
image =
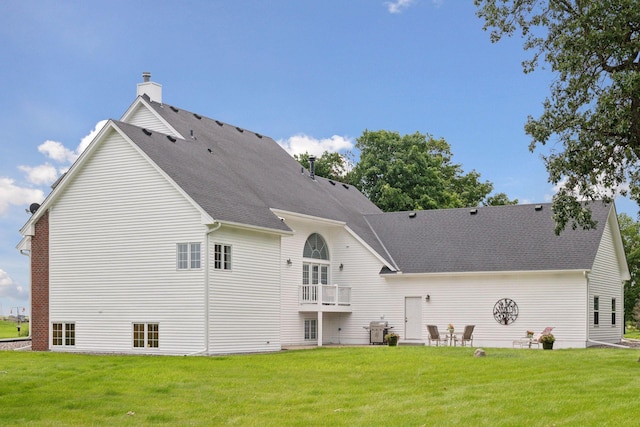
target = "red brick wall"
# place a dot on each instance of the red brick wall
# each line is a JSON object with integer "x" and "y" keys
{"x": 40, "y": 285}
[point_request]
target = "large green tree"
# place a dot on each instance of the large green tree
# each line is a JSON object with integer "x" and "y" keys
{"x": 630, "y": 232}
{"x": 416, "y": 171}
{"x": 593, "y": 111}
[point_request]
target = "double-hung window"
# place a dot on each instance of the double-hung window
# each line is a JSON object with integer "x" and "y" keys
{"x": 613, "y": 312}
{"x": 221, "y": 256}
{"x": 146, "y": 335}
{"x": 188, "y": 256}
{"x": 596, "y": 311}
{"x": 64, "y": 334}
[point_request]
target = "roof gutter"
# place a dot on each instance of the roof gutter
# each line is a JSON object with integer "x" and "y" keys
{"x": 399, "y": 274}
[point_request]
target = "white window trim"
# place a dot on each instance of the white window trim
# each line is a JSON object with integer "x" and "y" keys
{"x": 313, "y": 329}
{"x": 146, "y": 346}
{"x": 64, "y": 334}
{"x": 614, "y": 312}
{"x": 223, "y": 253}
{"x": 189, "y": 261}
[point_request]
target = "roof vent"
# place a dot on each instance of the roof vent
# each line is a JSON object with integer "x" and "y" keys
{"x": 219, "y": 123}
{"x": 331, "y": 182}
{"x": 197, "y": 116}
{"x": 146, "y": 131}
{"x": 258, "y": 135}
{"x": 191, "y": 134}
{"x": 412, "y": 214}
{"x": 345, "y": 186}
{"x": 538, "y": 207}
{"x": 170, "y": 138}
{"x": 239, "y": 129}
{"x": 175, "y": 110}
{"x": 209, "y": 150}
{"x": 473, "y": 211}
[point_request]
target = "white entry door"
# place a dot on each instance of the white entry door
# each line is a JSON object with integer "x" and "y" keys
{"x": 413, "y": 318}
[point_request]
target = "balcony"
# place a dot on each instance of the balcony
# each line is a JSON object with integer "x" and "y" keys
{"x": 328, "y": 298}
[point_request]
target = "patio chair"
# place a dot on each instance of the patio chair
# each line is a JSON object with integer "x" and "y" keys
{"x": 434, "y": 335}
{"x": 467, "y": 335}
{"x": 546, "y": 330}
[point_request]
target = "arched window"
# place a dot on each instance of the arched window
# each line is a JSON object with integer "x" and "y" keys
{"x": 316, "y": 248}
{"x": 315, "y": 267}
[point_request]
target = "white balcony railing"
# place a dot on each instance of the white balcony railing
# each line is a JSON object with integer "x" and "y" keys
{"x": 325, "y": 294}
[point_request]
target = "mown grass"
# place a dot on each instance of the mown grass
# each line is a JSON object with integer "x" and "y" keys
{"x": 368, "y": 386}
{"x": 9, "y": 329}
{"x": 632, "y": 332}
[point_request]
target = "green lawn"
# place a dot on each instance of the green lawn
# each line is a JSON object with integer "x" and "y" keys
{"x": 362, "y": 386}
{"x": 632, "y": 332}
{"x": 9, "y": 329}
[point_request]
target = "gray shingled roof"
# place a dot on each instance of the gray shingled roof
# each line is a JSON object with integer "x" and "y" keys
{"x": 498, "y": 238}
{"x": 237, "y": 175}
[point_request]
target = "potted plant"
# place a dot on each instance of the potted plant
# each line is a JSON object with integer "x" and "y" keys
{"x": 547, "y": 341}
{"x": 392, "y": 339}
{"x": 529, "y": 334}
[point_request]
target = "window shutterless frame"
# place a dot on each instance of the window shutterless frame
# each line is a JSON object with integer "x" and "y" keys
{"x": 146, "y": 335}
{"x": 221, "y": 256}
{"x": 63, "y": 334}
{"x": 188, "y": 256}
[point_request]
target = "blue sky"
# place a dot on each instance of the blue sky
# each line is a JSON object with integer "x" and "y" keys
{"x": 313, "y": 75}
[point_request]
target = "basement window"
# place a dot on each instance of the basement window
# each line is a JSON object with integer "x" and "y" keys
{"x": 222, "y": 257}
{"x": 146, "y": 335}
{"x": 64, "y": 334}
{"x": 188, "y": 256}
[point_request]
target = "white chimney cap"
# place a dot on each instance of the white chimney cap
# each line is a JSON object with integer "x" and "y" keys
{"x": 151, "y": 89}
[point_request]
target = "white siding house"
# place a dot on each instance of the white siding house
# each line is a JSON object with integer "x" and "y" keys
{"x": 178, "y": 234}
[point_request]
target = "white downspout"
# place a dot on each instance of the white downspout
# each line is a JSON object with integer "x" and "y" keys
{"x": 216, "y": 226}
{"x": 27, "y": 253}
{"x": 586, "y": 277}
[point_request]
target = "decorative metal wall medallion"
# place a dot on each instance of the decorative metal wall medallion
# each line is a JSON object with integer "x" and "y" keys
{"x": 505, "y": 311}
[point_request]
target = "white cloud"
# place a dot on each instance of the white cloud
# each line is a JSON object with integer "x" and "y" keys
{"x": 46, "y": 173}
{"x": 40, "y": 175}
{"x": 11, "y": 194}
{"x": 599, "y": 190}
{"x": 301, "y": 143}
{"x": 398, "y": 6}
{"x": 10, "y": 289}
{"x": 84, "y": 143}
{"x": 56, "y": 151}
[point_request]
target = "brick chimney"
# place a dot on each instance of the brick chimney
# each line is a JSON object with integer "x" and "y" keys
{"x": 151, "y": 89}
